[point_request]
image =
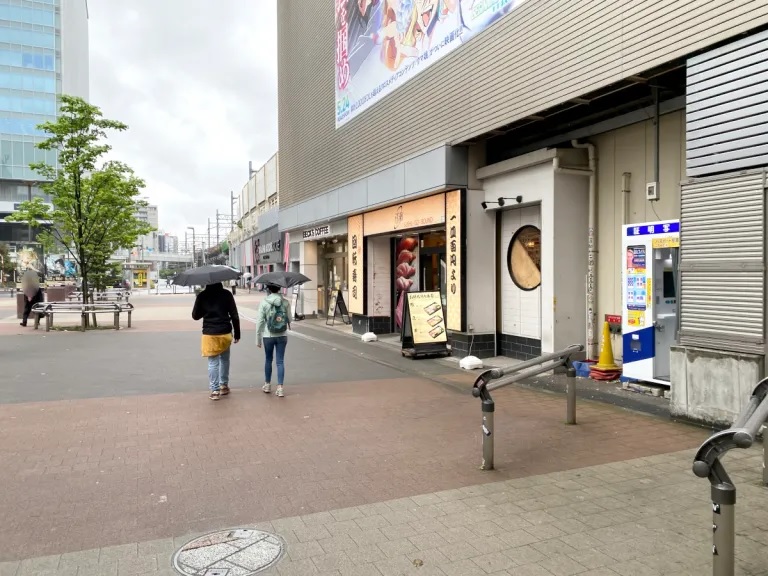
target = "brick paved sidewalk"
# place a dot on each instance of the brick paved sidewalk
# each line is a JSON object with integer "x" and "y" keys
{"x": 642, "y": 517}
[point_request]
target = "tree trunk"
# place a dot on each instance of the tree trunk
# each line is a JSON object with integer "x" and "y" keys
{"x": 86, "y": 288}
{"x": 95, "y": 324}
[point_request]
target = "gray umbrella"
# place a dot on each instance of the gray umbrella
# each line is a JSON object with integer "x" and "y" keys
{"x": 282, "y": 279}
{"x": 205, "y": 275}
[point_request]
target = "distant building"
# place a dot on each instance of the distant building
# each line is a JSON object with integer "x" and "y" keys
{"x": 167, "y": 243}
{"x": 149, "y": 241}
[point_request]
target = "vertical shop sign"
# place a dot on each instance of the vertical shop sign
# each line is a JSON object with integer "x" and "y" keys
{"x": 355, "y": 235}
{"x": 453, "y": 233}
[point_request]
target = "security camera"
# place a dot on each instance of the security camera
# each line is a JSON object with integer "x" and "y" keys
{"x": 484, "y": 205}
{"x": 501, "y": 201}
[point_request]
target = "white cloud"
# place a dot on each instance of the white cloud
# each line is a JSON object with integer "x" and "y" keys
{"x": 196, "y": 81}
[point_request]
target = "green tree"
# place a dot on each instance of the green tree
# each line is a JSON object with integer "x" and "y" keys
{"x": 95, "y": 202}
{"x": 106, "y": 275}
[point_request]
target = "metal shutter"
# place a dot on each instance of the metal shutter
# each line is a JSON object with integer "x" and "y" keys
{"x": 727, "y": 107}
{"x": 722, "y": 262}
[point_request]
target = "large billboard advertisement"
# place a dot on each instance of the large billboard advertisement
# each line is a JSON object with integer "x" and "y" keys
{"x": 381, "y": 44}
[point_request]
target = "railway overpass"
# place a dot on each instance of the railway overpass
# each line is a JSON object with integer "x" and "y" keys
{"x": 153, "y": 257}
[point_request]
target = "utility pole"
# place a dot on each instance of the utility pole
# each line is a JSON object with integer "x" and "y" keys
{"x": 217, "y": 228}
{"x": 194, "y": 261}
{"x": 209, "y": 233}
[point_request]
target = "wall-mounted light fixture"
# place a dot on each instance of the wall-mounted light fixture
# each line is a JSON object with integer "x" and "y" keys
{"x": 501, "y": 201}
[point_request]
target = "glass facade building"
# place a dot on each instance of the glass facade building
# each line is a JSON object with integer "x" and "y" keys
{"x": 43, "y": 53}
{"x": 30, "y": 79}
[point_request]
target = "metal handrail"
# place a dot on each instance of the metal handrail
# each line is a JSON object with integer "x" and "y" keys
{"x": 482, "y": 389}
{"x": 707, "y": 464}
{"x": 77, "y": 306}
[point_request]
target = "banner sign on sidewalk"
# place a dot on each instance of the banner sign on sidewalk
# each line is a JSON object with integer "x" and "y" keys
{"x": 423, "y": 330}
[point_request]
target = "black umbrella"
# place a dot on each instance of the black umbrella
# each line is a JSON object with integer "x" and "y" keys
{"x": 205, "y": 275}
{"x": 282, "y": 279}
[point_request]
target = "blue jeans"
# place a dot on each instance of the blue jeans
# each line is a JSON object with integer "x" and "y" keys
{"x": 218, "y": 370}
{"x": 270, "y": 346}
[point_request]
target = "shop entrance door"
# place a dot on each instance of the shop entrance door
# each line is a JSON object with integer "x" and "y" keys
{"x": 432, "y": 268}
{"x": 432, "y": 264}
{"x": 334, "y": 277}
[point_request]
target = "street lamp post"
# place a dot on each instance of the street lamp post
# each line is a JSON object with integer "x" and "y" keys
{"x": 232, "y": 200}
{"x": 194, "y": 262}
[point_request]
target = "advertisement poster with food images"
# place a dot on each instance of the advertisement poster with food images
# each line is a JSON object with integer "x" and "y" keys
{"x": 406, "y": 273}
{"x": 426, "y": 315}
{"x": 382, "y": 44}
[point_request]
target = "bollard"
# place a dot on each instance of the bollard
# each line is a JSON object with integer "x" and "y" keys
{"x": 765, "y": 455}
{"x": 488, "y": 408}
{"x": 723, "y": 529}
{"x": 707, "y": 464}
{"x": 117, "y": 320}
{"x": 484, "y": 385}
{"x": 570, "y": 410}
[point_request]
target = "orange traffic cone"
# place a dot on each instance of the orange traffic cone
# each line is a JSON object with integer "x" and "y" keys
{"x": 606, "y": 368}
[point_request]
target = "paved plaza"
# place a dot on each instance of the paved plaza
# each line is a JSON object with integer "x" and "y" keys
{"x": 113, "y": 459}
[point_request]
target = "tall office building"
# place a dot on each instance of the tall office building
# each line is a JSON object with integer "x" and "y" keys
{"x": 149, "y": 215}
{"x": 43, "y": 54}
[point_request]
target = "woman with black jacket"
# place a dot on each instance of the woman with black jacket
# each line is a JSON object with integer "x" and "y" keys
{"x": 33, "y": 294}
{"x": 218, "y": 310}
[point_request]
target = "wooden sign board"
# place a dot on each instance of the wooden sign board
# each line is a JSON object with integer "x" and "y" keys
{"x": 423, "y": 332}
{"x": 337, "y": 306}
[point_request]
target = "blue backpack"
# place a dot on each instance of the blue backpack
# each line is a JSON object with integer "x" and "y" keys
{"x": 277, "y": 318}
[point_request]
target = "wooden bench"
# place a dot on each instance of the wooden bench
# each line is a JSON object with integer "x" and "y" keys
{"x": 49, "y": 309}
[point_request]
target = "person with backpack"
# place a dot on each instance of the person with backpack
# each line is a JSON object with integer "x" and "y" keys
{"x": 274, "y": 321}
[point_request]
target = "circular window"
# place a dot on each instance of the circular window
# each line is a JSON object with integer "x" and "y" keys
{"x": 524, "y": 258}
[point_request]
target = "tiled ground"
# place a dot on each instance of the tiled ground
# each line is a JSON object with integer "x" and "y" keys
{"x": 641, "y": 517}
{"x": 109, "y": 445}
{"x": 89, "y": 473}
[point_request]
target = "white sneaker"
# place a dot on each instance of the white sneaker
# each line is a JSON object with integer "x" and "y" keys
{"x": 267, "y": 388}
{"x": 279, "y": 392}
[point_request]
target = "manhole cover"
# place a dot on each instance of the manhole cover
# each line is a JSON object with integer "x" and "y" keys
{"x": 239, "y": 552}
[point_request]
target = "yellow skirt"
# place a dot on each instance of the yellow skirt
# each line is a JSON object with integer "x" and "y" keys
{"x": 215, "y": 345}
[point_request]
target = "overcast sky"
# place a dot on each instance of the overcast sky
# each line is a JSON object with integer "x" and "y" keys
{"x": 196, "y": 81}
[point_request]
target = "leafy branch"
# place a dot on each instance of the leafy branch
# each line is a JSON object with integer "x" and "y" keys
{"x": 95, "y": 202}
